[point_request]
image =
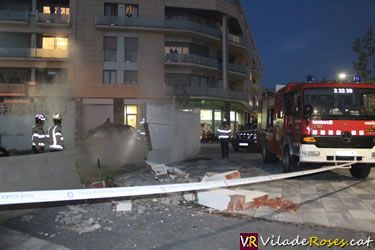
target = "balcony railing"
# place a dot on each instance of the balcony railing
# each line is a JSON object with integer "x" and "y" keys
{"x": 18, "y": 16}
{"x": 209, "y": 92}
{"x": 190, "y": 58}
{"x": 238, "y": 68}
{"x": 34, "y": 52}
{"x": 53, "y": 18}
{"x": 12, "y": 89}
{"x": 157, "y": 23}
{"x": 55, "y": 89}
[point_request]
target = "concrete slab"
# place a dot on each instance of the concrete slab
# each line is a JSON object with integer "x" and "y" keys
{"x": 342, "y": 220}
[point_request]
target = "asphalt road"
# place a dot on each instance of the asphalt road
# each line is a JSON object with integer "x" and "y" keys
{"x": 167, "y": 223}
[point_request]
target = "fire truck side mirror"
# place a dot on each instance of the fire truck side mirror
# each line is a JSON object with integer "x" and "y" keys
{"x": 307, "y": 110}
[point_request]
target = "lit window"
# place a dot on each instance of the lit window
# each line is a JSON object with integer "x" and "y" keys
{"x": 130, "y": 115}
{"x": 131, "y": 10}
{"x": 55, "y": 43}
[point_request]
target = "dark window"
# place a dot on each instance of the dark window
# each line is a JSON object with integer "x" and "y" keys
{"x": 51, "y": 76}
{"x": 131, "y": 49}
{"x": 109, "y": 76}
{"x": 110, "y": 9}
{"x": 110, "y": 48}
{"x": 130, "y": 76}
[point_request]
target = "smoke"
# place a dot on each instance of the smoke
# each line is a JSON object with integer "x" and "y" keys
{"x": 116, "y": 146}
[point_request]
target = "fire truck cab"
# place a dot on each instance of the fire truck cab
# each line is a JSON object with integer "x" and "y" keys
{"x": 319, "y": 123}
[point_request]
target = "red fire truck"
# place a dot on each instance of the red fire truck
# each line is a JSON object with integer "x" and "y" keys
{"x": 319, "y": 123}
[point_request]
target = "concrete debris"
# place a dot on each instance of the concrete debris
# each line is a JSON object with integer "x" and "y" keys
{"x": 77, "y": 209}
{"x": 224, "y": 199}
{"x": 279, "y": 204}
{"x": 98, "y": 184}
{"x": 161, "y": 170}
{"x": 122, "y": 206}
{"x": 210, "y": 176}
{"x": 26, "y": 218}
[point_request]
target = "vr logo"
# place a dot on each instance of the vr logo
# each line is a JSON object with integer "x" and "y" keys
{"x": 249, "y": 241}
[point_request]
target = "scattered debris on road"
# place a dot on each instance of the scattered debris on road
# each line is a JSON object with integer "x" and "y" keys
{"x": 122, "y": 206}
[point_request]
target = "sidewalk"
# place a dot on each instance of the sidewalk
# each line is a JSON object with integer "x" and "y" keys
{"x": 14, "y": 240}
{"x": 333, "y": 199}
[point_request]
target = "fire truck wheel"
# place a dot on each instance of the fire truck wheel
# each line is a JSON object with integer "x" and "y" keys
{"x": 289, "y": 161}
{"x": 360, "y": 171}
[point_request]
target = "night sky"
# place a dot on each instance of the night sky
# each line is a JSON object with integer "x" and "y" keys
{"x": 295, "y": 38}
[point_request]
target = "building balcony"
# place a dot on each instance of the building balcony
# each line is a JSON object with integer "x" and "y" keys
{"x": 208, "y": 92}
{"x": 14, "y": 16}
{"x": 44, "y": 18}
{"x": 34, "y": 53}
{"x": 12, "y": 89}
{"x": 238, "y": 69}
{"x": 156, "y": 23}
{"x": 174, "y": 58}
{"x": 50, "y": 89}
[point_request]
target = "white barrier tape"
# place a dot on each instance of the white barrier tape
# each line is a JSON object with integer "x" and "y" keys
{"x": 10, "y": 198}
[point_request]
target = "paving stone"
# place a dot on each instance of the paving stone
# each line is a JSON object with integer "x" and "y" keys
{"x": 290, "y": 217}
{"x": 333, "y": 205}
{"x": 343, "y": 220}
{"x": 354, "y": 204}
{"x": 266, "y": 213}
{"x": 362, "y": 214}
{"x": 319, "y": 218}
{"x": 366, "y": 224}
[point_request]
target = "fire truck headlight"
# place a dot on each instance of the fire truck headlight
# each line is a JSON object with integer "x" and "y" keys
{"x": 311, "y": 153}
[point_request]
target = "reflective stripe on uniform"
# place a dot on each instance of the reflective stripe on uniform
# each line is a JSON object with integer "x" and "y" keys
{"x": 224, "y": 131}
{"x": 223, "y": 136}
{"x": 39, "y": 136}
{"x": 56, "y": 147}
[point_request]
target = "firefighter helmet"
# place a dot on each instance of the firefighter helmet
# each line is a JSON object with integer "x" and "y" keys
{"x": 57, "y": 117}
{"x": 40, "y": 118}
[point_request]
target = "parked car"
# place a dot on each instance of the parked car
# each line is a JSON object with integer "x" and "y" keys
{"x": 245, "y": 138}
{"x": 4, "y": 152}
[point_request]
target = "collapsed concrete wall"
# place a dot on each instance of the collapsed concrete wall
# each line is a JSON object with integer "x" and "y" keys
{"x": 17, "y": 119}
{"x": 48, "y": 171}
{"x": 174, "y": 134}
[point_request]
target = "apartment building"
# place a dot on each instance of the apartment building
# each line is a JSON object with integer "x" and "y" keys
{"x": 112, "y": 57}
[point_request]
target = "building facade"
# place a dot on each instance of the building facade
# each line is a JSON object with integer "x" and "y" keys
{"x": 112, "y": 57}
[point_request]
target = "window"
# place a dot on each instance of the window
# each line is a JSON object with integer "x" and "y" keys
{"x": 110, "y": 9}
{"x": 130, "y": 76}
{"x": 131, "y": 10}
{"x": 131, "y": 49}
{"x": 130, "y": 115}
{"x": 199, "y": 81}
{"x": 64, "y": 10}
{"x": 297, "y": 104}
{"x": 176, "y": 49}
{"x": 270, "y": 119}
{"x": 54, "y": 42}
{"x": 110, "y": 48}
{"x": 109, "y": 76}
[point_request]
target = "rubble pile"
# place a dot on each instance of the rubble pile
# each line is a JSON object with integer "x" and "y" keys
{"x": 278, "y": 203}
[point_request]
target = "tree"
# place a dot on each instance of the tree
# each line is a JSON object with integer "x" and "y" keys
{"x": 365, "y": 63}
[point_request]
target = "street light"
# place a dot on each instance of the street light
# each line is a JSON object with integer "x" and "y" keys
{"x": 342, "y": 76}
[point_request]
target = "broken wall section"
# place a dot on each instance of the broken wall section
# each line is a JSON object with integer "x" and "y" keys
{"x": 174, "y": 133}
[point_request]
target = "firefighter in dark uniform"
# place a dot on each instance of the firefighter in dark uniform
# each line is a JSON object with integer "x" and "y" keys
{"x": 56, "y": 139}
{"x": 224, "y": 137}
{"x": 38, "y": 136}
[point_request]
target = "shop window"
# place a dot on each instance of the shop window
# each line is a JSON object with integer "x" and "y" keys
{"x": 130, "y": 115}
{"x": 131, "y": 10}
{"x": 131, "y": 49}
{"x": 109, "y": 48}
{"x": 109, "y": 77}
{"x": 130, "y": 76}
